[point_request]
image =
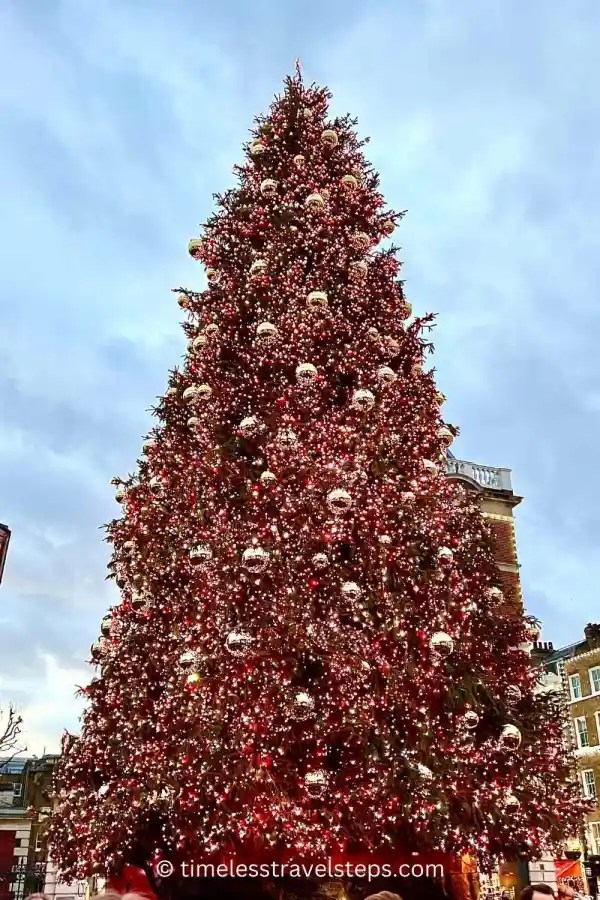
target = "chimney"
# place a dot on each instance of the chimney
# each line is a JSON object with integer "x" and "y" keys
{"x": 542, "y": 648}
{"x": 592, "y": 633}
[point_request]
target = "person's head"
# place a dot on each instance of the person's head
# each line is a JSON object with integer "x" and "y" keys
{"x": 384, "y": 895}
{"x": 113, "y": 895}
{"x": 537, "y": 892}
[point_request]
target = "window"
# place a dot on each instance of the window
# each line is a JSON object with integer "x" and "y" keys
{"x": 575, "y": 686}
{"x": 581, "y": 732}
{"x": 595, "y": 838}
{"x": 595, "y": 680}
{"x": 39, "y": 841}
{"x": 589, "y": 784}
{"x": 12, "y": 767}
{"x": 11, "y": 787}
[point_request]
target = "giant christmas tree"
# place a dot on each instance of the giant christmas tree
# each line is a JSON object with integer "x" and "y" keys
{"x": 308, "y": 652}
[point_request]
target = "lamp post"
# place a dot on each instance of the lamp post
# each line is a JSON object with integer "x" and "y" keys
{"x": 4, "y": 542}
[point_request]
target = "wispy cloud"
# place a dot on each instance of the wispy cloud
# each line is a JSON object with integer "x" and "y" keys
{"x": 118, "y": 122}
{"x": 44, "y": 698}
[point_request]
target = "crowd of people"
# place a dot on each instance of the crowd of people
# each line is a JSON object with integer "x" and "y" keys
{"x": 531, "y": 892}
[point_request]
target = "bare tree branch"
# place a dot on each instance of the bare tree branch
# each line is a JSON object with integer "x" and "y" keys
{"x": 10, "y": 729}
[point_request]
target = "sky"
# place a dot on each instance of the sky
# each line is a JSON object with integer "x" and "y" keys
{"x": 118, "y": 122}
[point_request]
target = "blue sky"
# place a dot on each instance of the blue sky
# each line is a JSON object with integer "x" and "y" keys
{"x": 119, "y": 119}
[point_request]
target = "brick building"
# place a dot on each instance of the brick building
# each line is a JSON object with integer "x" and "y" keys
{"x": 576, "y": 668}
{"x": 582, "y": 670}
{"x": 15, "y": 829}
{"x": 25, "y": 783}
{"x": 574, "y": 672}
{"x": 494, "y": 490}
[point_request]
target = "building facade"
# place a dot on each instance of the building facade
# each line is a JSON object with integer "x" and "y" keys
{"x": 578, "y": 667}
{"x": 582, "y": 670}
{"x": 574, "y": 672}
{"x": 15, "y": 832}
{"x": 550, "y": 870}
{"x": 25, "y": 806}
{"x": 493, "y": 487}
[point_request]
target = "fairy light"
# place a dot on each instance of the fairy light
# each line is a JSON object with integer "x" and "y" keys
{"x": 306, "y": 599}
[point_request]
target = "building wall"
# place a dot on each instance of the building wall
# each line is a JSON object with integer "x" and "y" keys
{"x": 19, "y": 847}
{"x": 22, "y": 837}
{"x": 9, "y": 797}
{"x": 503, "y": 531}
{"x": 53, "y": 887}
{"x": 12, "y": 806}
{"x": 588, "y": 759}
{"x": 497, "y": 507}
{"x": 15, "y": 826}
{"x": 543, "y": 871}
{"x": 38, "y": 790}
{"x": 20, "y": 826}
{"x": 7, "y": 845}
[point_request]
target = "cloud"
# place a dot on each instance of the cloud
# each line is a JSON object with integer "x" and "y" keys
{"x": 48, "y": 690}
{"x": 113, "y": 137}
{"x": 488, "y": 134}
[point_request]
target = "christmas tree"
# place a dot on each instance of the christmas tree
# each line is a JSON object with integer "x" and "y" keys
{"x": 307, "y": 654}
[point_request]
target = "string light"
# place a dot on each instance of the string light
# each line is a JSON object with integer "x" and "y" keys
{"x": 307, "y": 653}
